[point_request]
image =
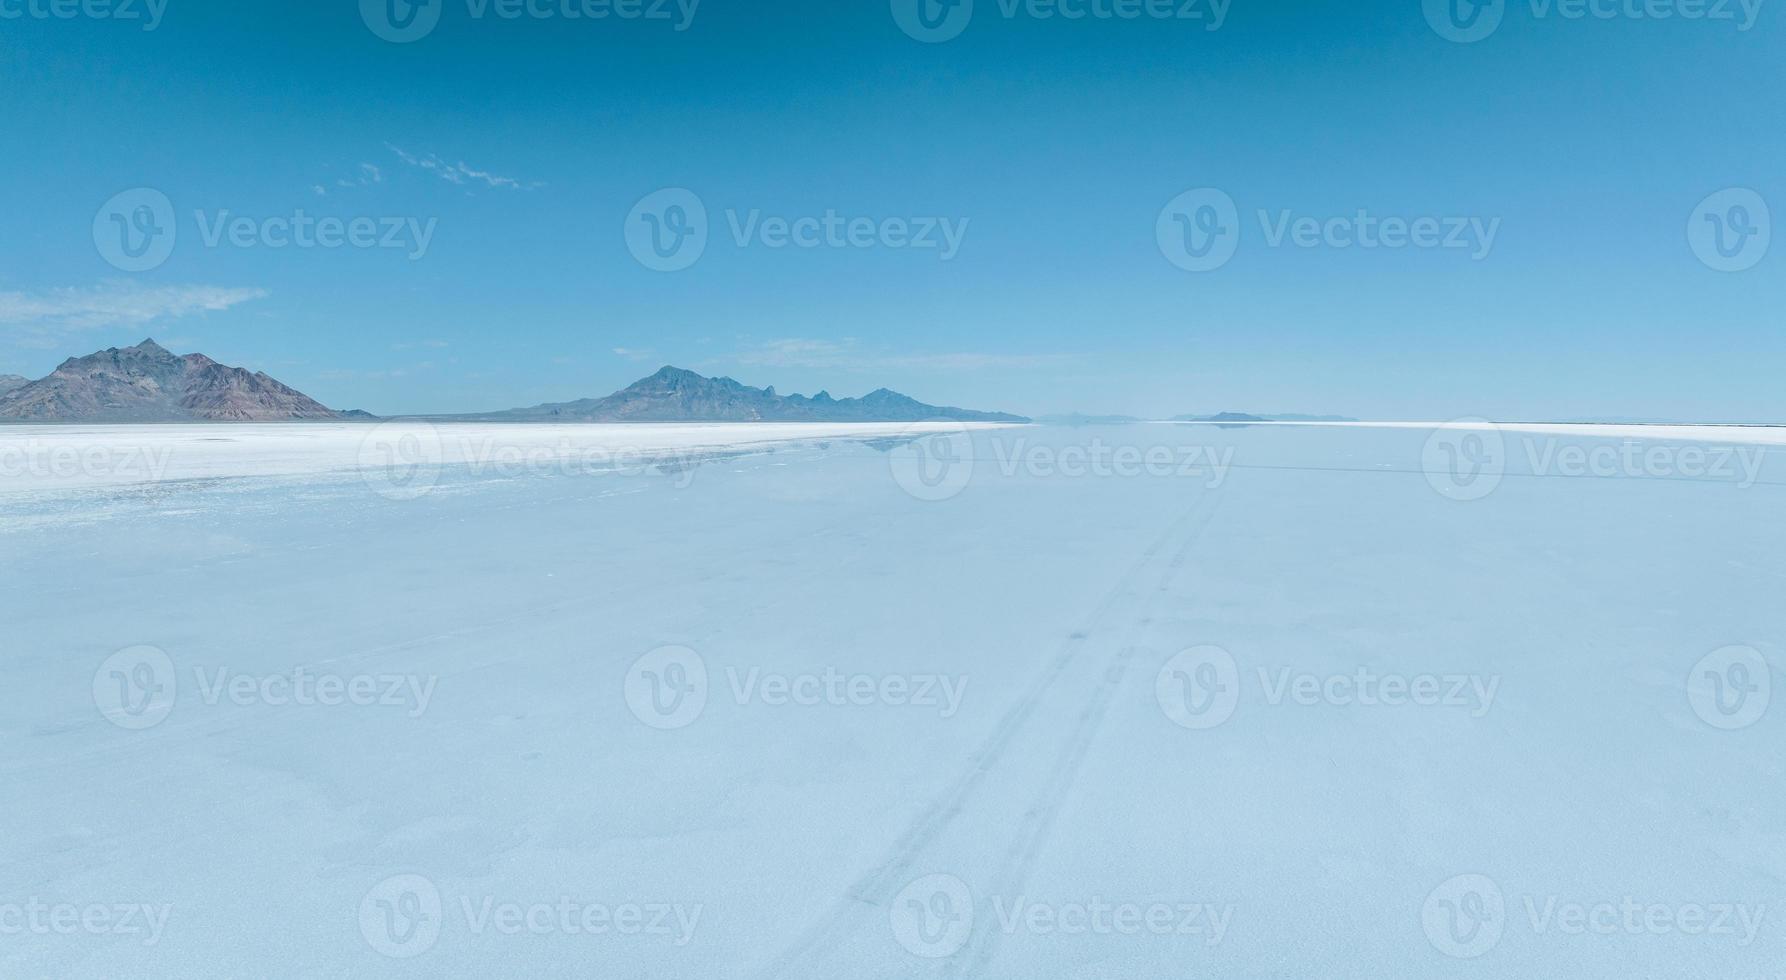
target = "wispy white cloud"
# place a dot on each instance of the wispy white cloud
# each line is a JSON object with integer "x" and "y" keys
{"x": 635, "y": 353}
{"x": 44, "y": 317}
{"x": 366, "y": 176}
{"x": 429, "y": 344}
{"x": 460, "y": 173}
{"x": 849, "y": 355}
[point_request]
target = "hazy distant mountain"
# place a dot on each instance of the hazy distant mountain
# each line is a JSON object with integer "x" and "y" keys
{"x": 1242, "y": 417}
{"x": 10, "y": 381}
{"x": 677, "y": 395}
{"x": 146, "y": 383}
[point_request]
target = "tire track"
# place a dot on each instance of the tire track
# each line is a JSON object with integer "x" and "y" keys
{"x": 874, "y": 890}
{"x": 1038, "y": 820}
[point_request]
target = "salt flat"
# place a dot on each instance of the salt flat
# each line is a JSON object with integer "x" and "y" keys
{"x": 1034, "y": 702}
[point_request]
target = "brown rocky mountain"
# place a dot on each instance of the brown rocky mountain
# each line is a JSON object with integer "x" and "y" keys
{"x": 10, "y": 381}
{"x": 678, "y": 395}
{"x": 146, "y": 383}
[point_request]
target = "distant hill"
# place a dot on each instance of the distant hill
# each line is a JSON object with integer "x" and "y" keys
{"x": 10, "y": 381}
{"x": 147, "y": 383}
{"x": 677, "y": 395}
{"x": 1244, "y": 417}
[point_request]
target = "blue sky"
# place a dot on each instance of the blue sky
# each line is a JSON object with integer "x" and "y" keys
{"x": 1051, "y": 146}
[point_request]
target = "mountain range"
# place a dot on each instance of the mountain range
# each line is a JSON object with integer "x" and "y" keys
{"x": 677, "y": 395}
{"x": 147, "y": 383}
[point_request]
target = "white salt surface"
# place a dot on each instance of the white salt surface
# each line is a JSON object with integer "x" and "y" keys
{"x": 1295, "y": 701}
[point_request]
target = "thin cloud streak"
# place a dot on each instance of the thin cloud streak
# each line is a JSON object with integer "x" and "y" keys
{"x": 45, "y": 317}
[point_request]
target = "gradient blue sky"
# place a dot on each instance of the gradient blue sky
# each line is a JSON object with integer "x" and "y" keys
{"x": 1591, "y": 140}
